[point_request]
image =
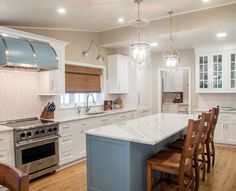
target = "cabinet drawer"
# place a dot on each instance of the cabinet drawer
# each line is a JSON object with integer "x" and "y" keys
{"x": 5, "y": 155}
{"x": 66, "y": 139}
{"x": 5, "y": 139}
{"x": 66, "y": 156}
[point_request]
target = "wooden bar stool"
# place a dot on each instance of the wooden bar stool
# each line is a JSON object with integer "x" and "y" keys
{"x": 199, "y": 153}
{"x": 210, "y": 146}
{"x": 12, "y": 179}
{"x": 174, "y": 163}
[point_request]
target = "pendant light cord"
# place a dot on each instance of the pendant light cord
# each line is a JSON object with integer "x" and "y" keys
{"x": 171, "y": 32}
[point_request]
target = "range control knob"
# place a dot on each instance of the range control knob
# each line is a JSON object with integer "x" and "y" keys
{"x": 49, "y": 129}
{"x": 29, "y": 134}
{"x": 42, "y": 131}
{"x": 22, "y": 135}
{"x": 55, "y": 129}
{"x": 36, "y": 132}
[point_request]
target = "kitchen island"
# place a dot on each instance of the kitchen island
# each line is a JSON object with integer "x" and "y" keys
{"x": 117, "y": 154}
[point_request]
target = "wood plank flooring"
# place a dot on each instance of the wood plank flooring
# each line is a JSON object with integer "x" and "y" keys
{"x": 222, "y": 177}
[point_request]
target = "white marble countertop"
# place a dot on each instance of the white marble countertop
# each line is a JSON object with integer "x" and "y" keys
{"x": 221, "y": 111}
{"x": 147, "y": 130}
{"x": 5, "y": 128}
{"x": 74, "y": 117}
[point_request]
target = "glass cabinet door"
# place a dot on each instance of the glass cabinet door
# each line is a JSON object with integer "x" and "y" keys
{"x": 203, "y": 72}
{"x": 232, "y": 71}
{"x": 217, "y": 73}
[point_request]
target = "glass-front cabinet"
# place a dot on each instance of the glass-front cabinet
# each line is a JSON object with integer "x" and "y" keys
{"x": 215, "y": 71}
{"x": 203, "y": 67}
{"x": 232, "y": 71}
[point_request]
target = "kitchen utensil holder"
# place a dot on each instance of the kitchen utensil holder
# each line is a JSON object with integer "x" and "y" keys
{"x": 46, "y": 114}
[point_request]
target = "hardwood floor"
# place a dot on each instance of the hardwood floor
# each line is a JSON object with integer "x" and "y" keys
{"x": 222, "y": 177}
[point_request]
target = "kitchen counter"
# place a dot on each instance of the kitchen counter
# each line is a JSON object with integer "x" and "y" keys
{"x": 73, "y": 117}
{"x": 5, "y": 128}
{"x": 124, "y": 147}
{"x": 221, "y": 111}
{"x": 146, "y": 130}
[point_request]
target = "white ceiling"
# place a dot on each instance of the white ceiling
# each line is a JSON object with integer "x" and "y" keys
{"x": 91, "y": 15}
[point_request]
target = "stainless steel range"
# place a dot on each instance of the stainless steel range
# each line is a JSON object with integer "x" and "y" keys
{"x": 36, "y": 146}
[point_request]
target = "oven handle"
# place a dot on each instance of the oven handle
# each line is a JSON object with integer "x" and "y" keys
{"x": 36, "y": 141}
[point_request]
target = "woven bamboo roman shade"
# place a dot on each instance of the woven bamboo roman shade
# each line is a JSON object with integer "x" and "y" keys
{"x": 80, "y": 79}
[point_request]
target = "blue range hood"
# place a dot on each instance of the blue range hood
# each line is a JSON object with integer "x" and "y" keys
{"x": 22, "y": 53}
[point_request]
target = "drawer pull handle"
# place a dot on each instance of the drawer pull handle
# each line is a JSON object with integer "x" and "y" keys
{"x": 2, "y": 155}
{"x": 67, "y": 155}
{"x": 1, "y": 139}
{"x": 84, "y": 124}
{"x": 66, "y": 127}
{"x": 123, "y": 116}
{"x": 103, "y": 120}
{"x": 66, "y": 140}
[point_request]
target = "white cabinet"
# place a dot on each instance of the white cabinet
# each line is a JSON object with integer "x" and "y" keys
{"x": 215, "y": 70}
{"x": 225, "y": 131}
{"x": 144, "y": 88}
{"x": 7, "y": 148}
{"x": 173, "y": 81}
{"x": 53, "y": 82}
{"x": 170, "y": 108}
{"x": 72, "y": 140}
{"x": 118, "y": 74}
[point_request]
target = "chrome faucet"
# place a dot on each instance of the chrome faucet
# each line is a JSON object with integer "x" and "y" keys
{"x": 87, "y": 103}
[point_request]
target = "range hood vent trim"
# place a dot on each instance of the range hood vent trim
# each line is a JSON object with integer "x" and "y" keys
{"x": 27, "y": 54}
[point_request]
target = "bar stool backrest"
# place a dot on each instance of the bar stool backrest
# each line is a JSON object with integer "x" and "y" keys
{"x": 12, "y": 179}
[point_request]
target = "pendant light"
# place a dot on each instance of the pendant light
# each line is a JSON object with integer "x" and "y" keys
{"x": 171, "y": 56}
{"x": 140, "y": 49}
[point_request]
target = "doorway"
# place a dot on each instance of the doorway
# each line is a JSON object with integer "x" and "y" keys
{"x": 174, "y": 91}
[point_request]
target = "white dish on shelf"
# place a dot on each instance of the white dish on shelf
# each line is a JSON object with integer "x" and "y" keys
{"x": 227, "y": 108}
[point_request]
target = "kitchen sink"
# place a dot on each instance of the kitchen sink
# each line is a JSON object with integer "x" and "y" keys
{"x": 95, "y": 113}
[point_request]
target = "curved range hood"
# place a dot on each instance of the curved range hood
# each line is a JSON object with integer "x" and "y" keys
{"x": 22, "y": 53}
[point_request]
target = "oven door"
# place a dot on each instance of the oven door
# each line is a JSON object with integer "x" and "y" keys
{"x": 35, "y": 155}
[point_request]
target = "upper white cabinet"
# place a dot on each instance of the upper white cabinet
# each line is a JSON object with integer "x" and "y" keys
{"x": 173, "y": 81}
{"x": 118, "y": 74}
{"x": 144, "y": 87}
{"x": 53, "y": 82}
{"x": 215, "y": 70}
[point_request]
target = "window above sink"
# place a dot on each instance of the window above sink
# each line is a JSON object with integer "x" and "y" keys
{"x": 79, "y": 99}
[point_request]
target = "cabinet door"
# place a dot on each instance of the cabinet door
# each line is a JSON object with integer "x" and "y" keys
{"x": 219, "y": 135}
{"x": 202, "y": 72}
{"x": 230, "y": 137}
{"x": 232, "y": 70}
{"x": 122, "y": 67}
{"x": 218, "y": 71}
{"x": 168, "y": 82}
{"x": 144, "y": 87}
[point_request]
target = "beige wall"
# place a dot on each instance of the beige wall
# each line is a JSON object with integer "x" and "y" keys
{"x": 79, "y": 41}
{"x": 187, "y": 60}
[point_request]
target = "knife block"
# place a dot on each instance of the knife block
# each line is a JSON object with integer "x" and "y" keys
{"x": 46, "y": 114}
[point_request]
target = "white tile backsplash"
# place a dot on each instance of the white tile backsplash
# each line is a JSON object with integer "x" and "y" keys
{"x": 221, "y": 99}
{"x": 19, "y": 95}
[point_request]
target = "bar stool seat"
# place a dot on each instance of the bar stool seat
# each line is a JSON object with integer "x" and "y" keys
{"x": 168, "y": 161}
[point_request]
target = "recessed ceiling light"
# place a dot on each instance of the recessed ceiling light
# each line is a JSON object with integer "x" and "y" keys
{"x": 205, "y": 1}
{"x": 61, "y": 10}
{"x": 154, "y": 44}
{"x": 121, "y": 20}
{"x": 4, "y": 34}
{"x": 221, "y": 35}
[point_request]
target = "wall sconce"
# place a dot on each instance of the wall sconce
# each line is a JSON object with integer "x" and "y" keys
{"x": 99, "y": 56}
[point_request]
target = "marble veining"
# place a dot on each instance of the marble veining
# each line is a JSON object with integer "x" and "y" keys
{"x": 147, "y": 130}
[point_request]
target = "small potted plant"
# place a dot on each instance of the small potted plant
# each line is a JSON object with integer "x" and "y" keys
{"x": 117, "y": 103}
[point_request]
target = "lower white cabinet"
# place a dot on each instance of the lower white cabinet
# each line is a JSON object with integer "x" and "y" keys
{"x": 72, "y": 143}
{"x": 72, "y": 140}
{"x": 7, "y": 148}
{"x": 225, "y": 131}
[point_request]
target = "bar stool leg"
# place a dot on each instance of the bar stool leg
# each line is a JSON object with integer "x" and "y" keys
{"x": 208, "y": 157}
{"x": 204, "y": 167}
{"x": 213, "y": 152}
{"x": 149, "y": 177}
{"x": 196, "y": 167}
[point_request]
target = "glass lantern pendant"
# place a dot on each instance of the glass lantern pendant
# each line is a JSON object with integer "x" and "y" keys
{"x": 171, "y": 56}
